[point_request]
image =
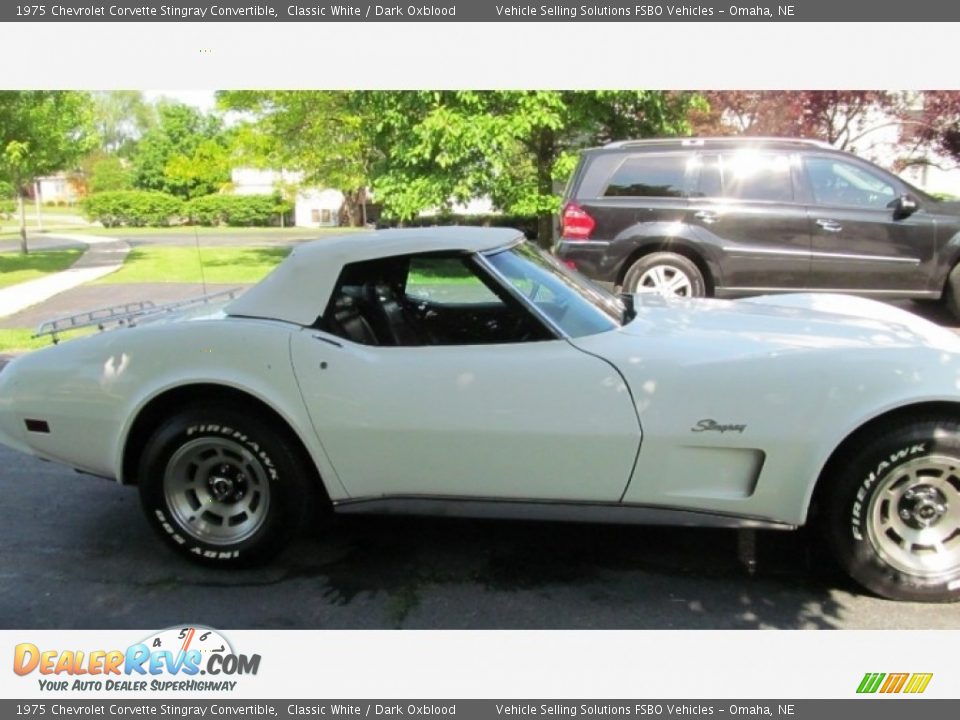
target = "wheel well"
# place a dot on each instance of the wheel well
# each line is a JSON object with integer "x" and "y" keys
{"x": 160, "y": 407}
{"x": 868, "y": 429}
{"x": 668, "y": 245}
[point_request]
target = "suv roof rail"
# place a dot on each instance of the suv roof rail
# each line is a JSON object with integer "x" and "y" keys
{"x": 722, "y": 140}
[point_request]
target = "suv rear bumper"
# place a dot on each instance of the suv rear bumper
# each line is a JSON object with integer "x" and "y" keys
{"x": 597, "y": 259}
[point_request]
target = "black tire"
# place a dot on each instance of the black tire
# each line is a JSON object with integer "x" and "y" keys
{"x": 243, "y": 481}
{"x": 639, "y": 276}
{"x": 911, "y": 467}
{"x": 951, "y": 293}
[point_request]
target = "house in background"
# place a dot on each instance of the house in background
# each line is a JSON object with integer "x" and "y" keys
{"x": 317, "y": 208}
{"x": 313, "y": 206}
{"x": 56, "y": 189}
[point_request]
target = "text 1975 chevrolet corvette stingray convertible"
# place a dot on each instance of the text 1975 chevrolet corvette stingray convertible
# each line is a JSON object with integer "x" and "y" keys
{"x": 463, "y": 372}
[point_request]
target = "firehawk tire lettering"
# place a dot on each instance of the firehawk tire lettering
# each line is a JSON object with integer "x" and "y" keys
{"x": 876, "y": 530}
{"x": 881, "y": 469}
{"x": 285, "y": 501}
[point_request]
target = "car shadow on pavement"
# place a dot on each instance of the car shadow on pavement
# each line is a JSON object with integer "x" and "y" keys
{"x": 558, "y": 575}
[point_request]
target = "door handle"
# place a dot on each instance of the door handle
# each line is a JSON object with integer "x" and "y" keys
{"x": 707, "y": 216}
{"x": 830, "y": 225}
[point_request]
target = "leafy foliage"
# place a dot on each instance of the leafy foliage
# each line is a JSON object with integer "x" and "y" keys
{"x": 121, "y": 117}
{"x": 105, "y": 173}
{"x": 512, "y": 146}
{"x": 423, "y": 150}
{"x": 134, "y": 208}
{"x": 839, "y": 117}
{"x": 325, "y": 135}
{"x": 41, "y": 132}
{"x": 184, "y": 154}
{"x": 936, "y": 126}
{"x": 236, "y": 210}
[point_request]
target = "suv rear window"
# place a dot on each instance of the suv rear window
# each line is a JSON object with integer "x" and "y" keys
{"x": 649, "y": 176}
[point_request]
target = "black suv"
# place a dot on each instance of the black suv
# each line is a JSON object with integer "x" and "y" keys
{"x": 740, "y": 216}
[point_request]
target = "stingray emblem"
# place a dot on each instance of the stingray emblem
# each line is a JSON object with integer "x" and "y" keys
{"x": 709, "y": 425}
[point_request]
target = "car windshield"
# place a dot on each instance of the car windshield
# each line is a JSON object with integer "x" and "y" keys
{"x": 566, "y": 298}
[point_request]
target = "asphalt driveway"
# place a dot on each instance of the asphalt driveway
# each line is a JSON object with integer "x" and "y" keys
{"x": 77, "y": 553}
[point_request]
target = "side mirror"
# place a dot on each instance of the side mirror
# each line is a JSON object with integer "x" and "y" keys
{"x": 905, "y": 206}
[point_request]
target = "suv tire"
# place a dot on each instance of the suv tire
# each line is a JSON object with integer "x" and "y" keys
{"x": 668, "y": 273}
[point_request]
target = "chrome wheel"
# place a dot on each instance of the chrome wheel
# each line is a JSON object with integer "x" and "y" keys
{"x": 913, "y": 521}
{"x": 217, "y": 490}
{"x": 666, "y": 280}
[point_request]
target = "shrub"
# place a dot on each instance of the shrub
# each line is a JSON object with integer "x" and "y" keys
{"x": 235, "y": 210}
{"x": 135, "y": 208}
{"x": 8, "y": 208}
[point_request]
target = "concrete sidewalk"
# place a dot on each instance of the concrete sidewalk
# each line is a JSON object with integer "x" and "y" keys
{"x": 104, "y": 255}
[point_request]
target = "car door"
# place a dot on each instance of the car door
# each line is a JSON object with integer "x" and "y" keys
{"x": 860, "y": 242}
{"x": 747, "y": 211}
{"x": 502, "y": 410}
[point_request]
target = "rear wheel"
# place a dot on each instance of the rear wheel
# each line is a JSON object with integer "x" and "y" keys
{"x": 892, "y": 514}
{"x": 666, "y": 273}
{"x": 951, "y": 293}
{"x": 222, "y": 487}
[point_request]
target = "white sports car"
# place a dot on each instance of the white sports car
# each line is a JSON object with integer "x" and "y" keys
{"x": 460, "y": 371}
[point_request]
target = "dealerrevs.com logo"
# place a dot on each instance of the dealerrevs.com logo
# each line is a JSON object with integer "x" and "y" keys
{"x": 177, "y": 659}
{"x": 892, "y": 683}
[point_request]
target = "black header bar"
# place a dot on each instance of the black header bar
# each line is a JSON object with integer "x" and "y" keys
{"x": 479, "y": 11}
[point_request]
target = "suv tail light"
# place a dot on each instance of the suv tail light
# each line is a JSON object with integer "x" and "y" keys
{"x": 576, "y": 223}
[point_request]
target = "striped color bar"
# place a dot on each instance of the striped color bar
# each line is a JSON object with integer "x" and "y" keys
{"x": 871, "y": 682}
{"x": 918, "y": 682}
{"x": 893, "y": 683}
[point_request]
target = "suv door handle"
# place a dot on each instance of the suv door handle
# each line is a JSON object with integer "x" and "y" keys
{"x": 830, "y": 225}
{"x": 707, "y": 216}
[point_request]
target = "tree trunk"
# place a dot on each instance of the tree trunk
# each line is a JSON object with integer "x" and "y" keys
{"x": 23, "y": 222}
{"x": 352, "y": 200}
{"x": 546, "y": 148}
{"x": 37, "y": 203}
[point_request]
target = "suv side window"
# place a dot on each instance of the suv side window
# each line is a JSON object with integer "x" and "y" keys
{"x": 649, "y": 176}
{"x": 836, "y": 182}
{"x": 753, "y": 175}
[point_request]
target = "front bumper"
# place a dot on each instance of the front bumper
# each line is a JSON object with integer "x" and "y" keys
{"x": 11, "y": 426}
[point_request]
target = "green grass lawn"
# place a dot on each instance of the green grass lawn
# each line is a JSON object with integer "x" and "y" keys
{"x": 183, "y": 265}
{"x": 17, "y": 340}
{"x": 16, "y": 268}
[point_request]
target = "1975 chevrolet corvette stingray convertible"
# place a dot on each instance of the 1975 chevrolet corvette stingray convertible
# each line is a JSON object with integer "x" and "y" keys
{"x": 462, "y": 371}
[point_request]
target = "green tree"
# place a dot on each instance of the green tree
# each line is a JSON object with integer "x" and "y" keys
{"x": 422, "y": 150}
{"x": 327, "y": 135}
{"x": 103, "y": 172}
{"x": 41, "y": 132}
{"x": 121, "y": 117}
{"x": 183, "y": 154}
{"x": 513, "y": 146}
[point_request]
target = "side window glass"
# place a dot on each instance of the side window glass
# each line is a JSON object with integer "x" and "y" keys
{"x": 710, "y": 183}
{"x": 446, "y": 280}
{"x": 753, "y": 175}
{"x": 649, "y": 176}
{"x": 835, "y": 182}
{"x": 423, "y": 300}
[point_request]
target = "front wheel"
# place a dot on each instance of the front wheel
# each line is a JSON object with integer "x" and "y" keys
{"x": 665, "y": 273}
{"x": 222, "y": 487}
{"x": 892, "y": 514}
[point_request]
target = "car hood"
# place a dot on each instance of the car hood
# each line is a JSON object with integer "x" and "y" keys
{"x": 794, "y": 321}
